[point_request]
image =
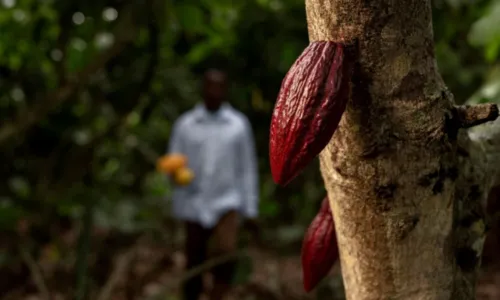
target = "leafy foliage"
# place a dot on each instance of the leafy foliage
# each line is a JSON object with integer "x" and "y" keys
{"x": 89, "y": 91}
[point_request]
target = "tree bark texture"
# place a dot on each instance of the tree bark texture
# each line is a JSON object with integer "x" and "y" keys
{"x": 406, "y": 184}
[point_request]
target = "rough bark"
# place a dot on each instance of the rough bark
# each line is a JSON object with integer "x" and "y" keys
{"x": 406, "y": 184}
{"x": 487, "y": 138}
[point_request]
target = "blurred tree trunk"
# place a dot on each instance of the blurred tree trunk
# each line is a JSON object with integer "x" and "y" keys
{"x": 407, "y": 185}
{"x": 492, "y": 242}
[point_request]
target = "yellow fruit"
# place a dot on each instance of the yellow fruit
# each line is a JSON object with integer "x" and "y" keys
{"x": 183, "y": 176}
{"x": 170, "y": 163}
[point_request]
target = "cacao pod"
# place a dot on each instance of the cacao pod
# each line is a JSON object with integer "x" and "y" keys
{"x": 183, "y": 176}
{"x": 170, "y": 163}
{"x": 310, "y": 104}
{"x": 319, "y": 249}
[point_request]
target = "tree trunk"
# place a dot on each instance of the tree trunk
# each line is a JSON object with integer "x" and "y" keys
{"x": 406, "y": 186}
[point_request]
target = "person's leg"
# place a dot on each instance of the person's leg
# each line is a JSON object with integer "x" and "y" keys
{"x": 225, "y": 238}
{"x": 195, "y": 249}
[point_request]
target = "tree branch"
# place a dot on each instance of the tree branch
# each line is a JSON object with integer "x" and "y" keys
{"x": 36, "y": 273}
{"x": 154, "y": 32}
{"x": 470, "y": 116}
{"x": 209, "y": 264}
{"x": 153, "y": 48}
{"x": 121, "y": 265}
{"x": 66, "y": 25}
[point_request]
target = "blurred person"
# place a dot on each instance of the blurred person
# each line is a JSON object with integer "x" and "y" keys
{"x": 218, "y": 142}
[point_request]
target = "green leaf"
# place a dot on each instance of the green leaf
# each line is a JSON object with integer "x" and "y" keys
{"x": 9, "y": 215}
{"x": 199, "y": 52}
{"x": 15, "y": 61}
{"x": 486, "y": 29}
{"x": 20, "y": 187}
{"x": 289, "y": 53}
{"x": 268, "y": 208}
{"x": 244, "y": 269}
{"x": 191, "y": 18}
{"x": 133, "y": 119}
{"x": 490, "y": 91}
{"x": 111, "y": 168}
{"x": 492, "y": 50}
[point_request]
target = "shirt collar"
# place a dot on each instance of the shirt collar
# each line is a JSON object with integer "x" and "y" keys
{"x": 202, "y": 114}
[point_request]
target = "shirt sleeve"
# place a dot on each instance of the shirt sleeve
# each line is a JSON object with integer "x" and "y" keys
{"x": 175, "y": 144}
{"x": 249, "y": 173}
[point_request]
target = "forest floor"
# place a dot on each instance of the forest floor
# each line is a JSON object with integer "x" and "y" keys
{"x": 489, "y": 284}
{"x": 146, "y": 272}
{"x": 280, "y": 278}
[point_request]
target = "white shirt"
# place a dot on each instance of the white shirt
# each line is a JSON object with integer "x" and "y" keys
{"x": 221, "y": 152}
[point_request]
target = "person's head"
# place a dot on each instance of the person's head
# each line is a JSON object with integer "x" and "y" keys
{"x": 214, "y": 88}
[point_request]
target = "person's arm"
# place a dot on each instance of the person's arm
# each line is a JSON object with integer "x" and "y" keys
{"x": 249, "y": 174}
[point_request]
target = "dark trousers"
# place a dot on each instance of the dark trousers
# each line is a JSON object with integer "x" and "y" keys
{"x": 224, "y": 238}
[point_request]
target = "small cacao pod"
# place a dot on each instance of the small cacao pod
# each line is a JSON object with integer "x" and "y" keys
{"x": 183, "y": 176}
{"x": 310, "y": 104}
{"x": 319, "y": 249}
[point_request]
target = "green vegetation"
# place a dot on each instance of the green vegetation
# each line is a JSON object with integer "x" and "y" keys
{"x": 89, "y": 91}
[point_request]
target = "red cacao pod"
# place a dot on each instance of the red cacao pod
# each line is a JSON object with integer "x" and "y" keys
{"x": 310, "y": 104}
{"x": 319, "y": 249}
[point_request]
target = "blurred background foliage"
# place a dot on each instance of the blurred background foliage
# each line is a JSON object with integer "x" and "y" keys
{"x": 89, "y": 91}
